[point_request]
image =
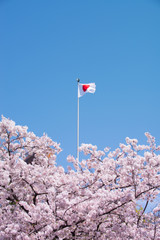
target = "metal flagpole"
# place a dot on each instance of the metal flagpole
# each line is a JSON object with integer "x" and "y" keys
{"x": 78, "y": 80}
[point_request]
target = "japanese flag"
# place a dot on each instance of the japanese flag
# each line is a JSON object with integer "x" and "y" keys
{"x": 84, "y": 88}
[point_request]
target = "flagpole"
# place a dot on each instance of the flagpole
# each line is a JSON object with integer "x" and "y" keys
{"x": 78, "y": 80}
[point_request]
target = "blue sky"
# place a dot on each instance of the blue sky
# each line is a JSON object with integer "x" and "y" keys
{"x": 46, "y": 45}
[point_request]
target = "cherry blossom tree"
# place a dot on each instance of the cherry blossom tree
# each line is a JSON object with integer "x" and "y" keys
{"x": 96, "y": 199}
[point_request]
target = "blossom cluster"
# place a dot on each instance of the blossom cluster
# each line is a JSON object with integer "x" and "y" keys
{"x": 96, "y": 199}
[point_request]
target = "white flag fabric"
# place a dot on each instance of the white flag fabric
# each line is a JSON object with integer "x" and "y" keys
{"x": 84, "y": 88}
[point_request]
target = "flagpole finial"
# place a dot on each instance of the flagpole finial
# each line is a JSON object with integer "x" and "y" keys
{"x": 78, "y": 80}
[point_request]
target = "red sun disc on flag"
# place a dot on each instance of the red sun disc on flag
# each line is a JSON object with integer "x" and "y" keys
{"x": 85, "y": 87}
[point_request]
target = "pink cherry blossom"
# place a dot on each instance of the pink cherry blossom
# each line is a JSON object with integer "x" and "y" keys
{"x": 97, "y": 199}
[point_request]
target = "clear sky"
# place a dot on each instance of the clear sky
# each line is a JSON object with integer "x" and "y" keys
{"x": 46, "y": 45}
